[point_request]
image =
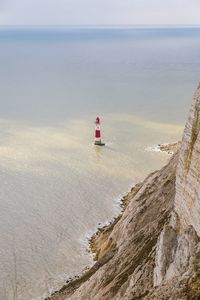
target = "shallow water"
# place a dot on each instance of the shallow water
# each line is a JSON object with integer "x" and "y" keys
{"x": 56, "y": 187}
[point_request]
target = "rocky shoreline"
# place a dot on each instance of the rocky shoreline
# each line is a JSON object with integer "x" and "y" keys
{"x": 100, "y": 244}
{"x": 96, "y": 246}
{"x": 167, "y": 148}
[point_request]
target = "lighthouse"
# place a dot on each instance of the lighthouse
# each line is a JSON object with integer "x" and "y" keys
{"x": 97, "y": 140}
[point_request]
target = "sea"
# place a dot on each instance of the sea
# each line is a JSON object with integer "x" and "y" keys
{"x": 56, "y": 186}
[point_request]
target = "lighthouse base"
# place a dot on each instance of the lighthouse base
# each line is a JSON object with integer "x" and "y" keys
{"x": 99, "y": 143}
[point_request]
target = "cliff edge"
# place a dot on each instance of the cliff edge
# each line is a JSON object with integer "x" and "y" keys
{"x": 153, "y": 250}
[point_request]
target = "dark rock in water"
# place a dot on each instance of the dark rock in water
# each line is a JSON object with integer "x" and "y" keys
{"x": 101, "y": 144}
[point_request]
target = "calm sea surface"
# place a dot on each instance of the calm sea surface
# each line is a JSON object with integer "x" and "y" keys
{"x": 56, "y": 187}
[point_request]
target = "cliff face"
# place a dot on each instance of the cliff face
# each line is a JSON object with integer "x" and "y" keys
{"x": 153, "y": 250}
{"x": 187, "y": 200}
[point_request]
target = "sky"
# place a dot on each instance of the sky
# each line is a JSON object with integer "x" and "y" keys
{"x": 99, "y": 12}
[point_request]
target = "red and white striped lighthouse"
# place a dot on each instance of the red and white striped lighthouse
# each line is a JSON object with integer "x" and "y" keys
{"x": 97, "y": 140}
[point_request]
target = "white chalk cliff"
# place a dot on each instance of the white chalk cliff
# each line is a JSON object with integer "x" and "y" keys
{"x": 187, "y": 200}
{"x": 153, "y": 250}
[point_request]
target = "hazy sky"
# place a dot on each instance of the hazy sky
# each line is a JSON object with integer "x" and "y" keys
{"x": 98, "y": 12}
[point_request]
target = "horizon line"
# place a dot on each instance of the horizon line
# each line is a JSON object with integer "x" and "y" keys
{"x": 104, "y": 26}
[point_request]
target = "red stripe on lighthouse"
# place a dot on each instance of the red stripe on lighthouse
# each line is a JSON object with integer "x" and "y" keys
{"x": 97, "y": 133}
